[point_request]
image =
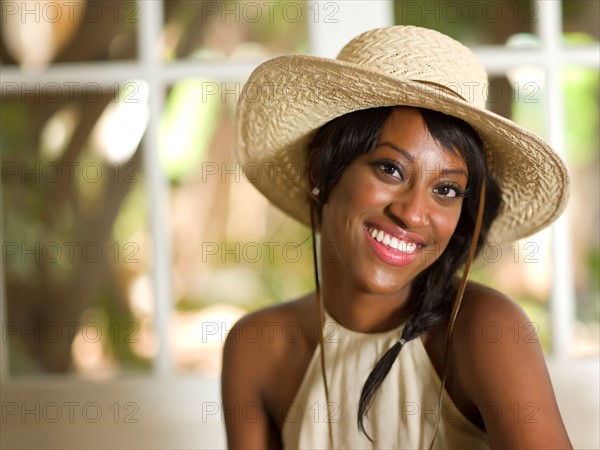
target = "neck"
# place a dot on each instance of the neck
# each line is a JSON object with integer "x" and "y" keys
{"x": 358, "y": 309}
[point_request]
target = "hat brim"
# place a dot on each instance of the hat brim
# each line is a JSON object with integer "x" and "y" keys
{"x": 287, "y": 98}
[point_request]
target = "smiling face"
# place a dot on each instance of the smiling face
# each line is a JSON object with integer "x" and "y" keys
{"x": 394, "y": 209}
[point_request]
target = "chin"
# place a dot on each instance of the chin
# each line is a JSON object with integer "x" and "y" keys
{"x": 384, "y": 283}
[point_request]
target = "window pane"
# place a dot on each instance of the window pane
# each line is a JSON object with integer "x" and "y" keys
{"x": 232, "y": 251}
{"x": 581, "y": 16}
{"x": 581, "y": 117}
{"x": 521, "y": 269}
{"x": 36, "y": 33}
{"x": 76, "y": 246}
{"x": 234, "y": 29}
{"x": 524, "y": 269}
{"x": 472, "y": 23}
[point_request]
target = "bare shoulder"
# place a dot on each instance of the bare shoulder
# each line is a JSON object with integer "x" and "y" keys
{"x": 273, "y": 328}
{"x": 493, "y": 334}
{"x": 495, "y": 313}
{"x": 264, "y": 359}
{"x": 488, "y": 319}
{"x": 498, "y": 361}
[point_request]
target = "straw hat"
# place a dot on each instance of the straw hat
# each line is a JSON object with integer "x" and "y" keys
{"x": 288, "y": 98}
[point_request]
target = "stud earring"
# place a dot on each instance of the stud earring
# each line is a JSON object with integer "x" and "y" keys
{"x": 315, "y": 191}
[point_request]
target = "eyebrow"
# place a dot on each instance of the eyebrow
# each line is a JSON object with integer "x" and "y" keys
{"x": 411, "y": 158}
{"x": 393, "y": 146}
{"x": 454, "y": 172}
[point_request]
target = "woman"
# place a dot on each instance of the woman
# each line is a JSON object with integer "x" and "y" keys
{"x": 405, "y": 176}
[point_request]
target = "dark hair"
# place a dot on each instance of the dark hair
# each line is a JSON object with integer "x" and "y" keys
{"x": 341, "y": 141}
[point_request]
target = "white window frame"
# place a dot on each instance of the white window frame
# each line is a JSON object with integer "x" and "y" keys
{"x": 325, "y": 40}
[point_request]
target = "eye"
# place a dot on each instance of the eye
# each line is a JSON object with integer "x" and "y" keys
{"x": 389, "y": 168}
{"x": 449, "y": 191}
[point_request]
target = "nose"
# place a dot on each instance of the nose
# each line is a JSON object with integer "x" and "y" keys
{"x": 411, "y": 208}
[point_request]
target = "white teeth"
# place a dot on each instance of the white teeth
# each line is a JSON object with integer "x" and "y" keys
{"x": 393, "y": 241}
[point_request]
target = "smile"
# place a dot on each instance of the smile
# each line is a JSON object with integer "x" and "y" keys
{"x": 392, "y": 249}
{"x": 392, "y": 241}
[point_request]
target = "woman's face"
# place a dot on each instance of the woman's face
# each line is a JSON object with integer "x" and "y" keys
{"x": 394, "y": 210}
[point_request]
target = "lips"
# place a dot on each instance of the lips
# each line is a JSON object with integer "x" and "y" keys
{"x": 396, "y": 247}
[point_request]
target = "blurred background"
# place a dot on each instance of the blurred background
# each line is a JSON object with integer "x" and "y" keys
{"x": 132, "y": 239}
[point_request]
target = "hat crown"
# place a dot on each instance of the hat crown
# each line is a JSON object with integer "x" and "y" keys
{"x": 413, "y": 54}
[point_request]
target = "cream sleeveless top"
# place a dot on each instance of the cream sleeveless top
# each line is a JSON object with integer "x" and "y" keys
{"x": 404, "y": 409}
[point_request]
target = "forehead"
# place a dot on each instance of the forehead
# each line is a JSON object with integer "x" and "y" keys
{"x": 406, "y": 130}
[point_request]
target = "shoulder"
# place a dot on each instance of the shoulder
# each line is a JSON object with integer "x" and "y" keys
{"x": 499, "y": 366}
{"x": 487, "y": 337}
{"x": 488, "y": 320}
{"x": 490, "y": 310}
{"x": 261, "y": 342}
{"x": 493, "y": 334}
{"x": 274, "y": 327}
{"x": 264, "y": 358}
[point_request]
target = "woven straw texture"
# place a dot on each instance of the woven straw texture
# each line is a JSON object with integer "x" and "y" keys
{"x": 287, "y": 98}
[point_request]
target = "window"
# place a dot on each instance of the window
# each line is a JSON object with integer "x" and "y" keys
{"x": 131, "y": 238}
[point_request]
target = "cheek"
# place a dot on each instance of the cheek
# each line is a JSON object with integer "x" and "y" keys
{"x": 445, "y": 222}
{"x": 353, "y": 195}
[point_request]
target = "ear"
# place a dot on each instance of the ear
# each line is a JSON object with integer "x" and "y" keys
{"x": 316, "y": 208}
